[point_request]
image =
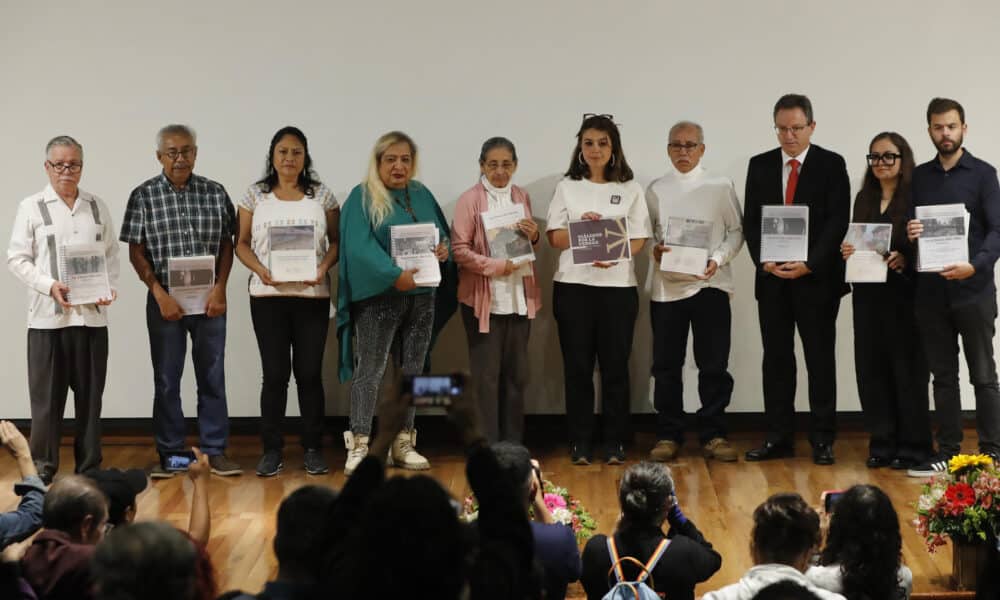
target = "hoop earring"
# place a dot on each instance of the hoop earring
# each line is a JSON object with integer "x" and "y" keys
{"x": 579, "y": 159}
{"x": 612, "y": 159}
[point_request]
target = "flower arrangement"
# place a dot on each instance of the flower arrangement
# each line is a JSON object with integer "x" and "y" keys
{"x": 962, "y": 503}
{"x": 565, "y": 509}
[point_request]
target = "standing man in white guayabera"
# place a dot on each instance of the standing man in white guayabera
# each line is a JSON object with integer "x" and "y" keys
{"x": 67, "y": 344}
{"x": 699, "y": 302}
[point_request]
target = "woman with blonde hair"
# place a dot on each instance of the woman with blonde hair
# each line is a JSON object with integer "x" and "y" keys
{"x": 379, "y": 302}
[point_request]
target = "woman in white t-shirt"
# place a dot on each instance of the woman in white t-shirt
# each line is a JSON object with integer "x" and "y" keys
{"x": 595, "y": 304}
{"x": 288, "y": 239}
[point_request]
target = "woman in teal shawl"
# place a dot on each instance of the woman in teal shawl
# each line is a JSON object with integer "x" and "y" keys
{"x": 380, "y": 303}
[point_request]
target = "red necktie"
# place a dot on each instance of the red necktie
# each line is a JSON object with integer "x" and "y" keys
{"x": 793, "y": 180}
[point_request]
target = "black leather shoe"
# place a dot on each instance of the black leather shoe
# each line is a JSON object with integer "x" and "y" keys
{"x": 769, "y": 451}
{"x": 902, "y": 464}
{"x": 823, "y": 454}
{"x": 877, "y": 462}
{"x": 579, "y": 454}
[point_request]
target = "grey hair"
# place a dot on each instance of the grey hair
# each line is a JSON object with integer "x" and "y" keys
{"x": 63, "y": 140}
{"x": 174, "y": 129}
{"x": 688, "y": 125}
{"x": 497, "y": 142}
{"x": 645, "y": 493}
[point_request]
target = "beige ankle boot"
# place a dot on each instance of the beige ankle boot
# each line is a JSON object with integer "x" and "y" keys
{"x": 402, "y": 454}
{"x": 357, "y": 449}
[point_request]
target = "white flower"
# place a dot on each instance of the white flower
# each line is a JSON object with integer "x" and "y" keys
{"x": 925, "y": 502}
{"x": 563, "y": 515}
{"x": 937, "y": 493}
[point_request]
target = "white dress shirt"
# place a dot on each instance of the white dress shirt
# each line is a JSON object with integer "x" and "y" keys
{"x": 506, "y": 291}
{"x": 44, "y": 223}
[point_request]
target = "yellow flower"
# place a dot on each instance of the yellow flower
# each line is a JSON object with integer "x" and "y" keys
{"x": 965, "y": 461}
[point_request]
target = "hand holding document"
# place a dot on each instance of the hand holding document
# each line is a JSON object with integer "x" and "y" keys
{"x": 83, "y": 270}
{"x": 687, "y": 244}
{"x": 413, "y": 247}
{"x": 191, "y": 279}
{"x": 871, "y": 243}
{"x": 784, "y": 233}
{"x": 943, "y": 241}
{"x": 603, "y": 241}
{"x": 506, "y": 239}
{"x": 292, "y": 253}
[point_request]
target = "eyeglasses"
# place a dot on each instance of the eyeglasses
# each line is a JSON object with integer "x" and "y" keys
{"x": 794, "y": 129}
{"x": 63, "y": 167}
{"x": 685, "y": 147}
{"x": 889, "y": 158}
{"x": 604, "y": 116}
{"x": 173, "y": 153}
{"x": 505, "y": 165}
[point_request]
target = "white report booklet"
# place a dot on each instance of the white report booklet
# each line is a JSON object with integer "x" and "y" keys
{"x": 191, "y": 279}
{"x": 412, "y": 247}
{"x": 292, "y": 252}
{"x": 784, "y": 233}
{"x": 505, "y": 239}
{"x": 944, "y": 239}
{"x": 84, "y": 270}
{"x": 688, "y": 241}
{"x": 871, "y": 243}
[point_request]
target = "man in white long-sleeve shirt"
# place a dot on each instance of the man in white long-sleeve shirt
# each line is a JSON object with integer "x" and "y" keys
{"x": 696, "y": 214}
{"x": 67, "y": 342}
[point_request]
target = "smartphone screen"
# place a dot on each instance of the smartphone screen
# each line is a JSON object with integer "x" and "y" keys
{"x": 433, "y": 390}
{"x": 180, "y": 461}
{"x": 830, "y": 499}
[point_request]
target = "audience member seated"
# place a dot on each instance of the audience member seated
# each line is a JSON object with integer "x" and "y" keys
{"x": 862, "y": 556}
{"x": 298, "y": 545}
{"x": 647, "y": 497}
{"x": 555, "y": 544}
{"x": 785, "y": 533}
{"x": 146, "y": 561}
{"x": 786, "y": 590}
{"x": 57, "y": 564}
{"x": 27, "y": 519}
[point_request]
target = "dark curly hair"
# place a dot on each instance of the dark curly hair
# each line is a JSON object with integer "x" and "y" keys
{"x": 864, "y": 540}
{"x": 307, "y": 178}
{"x": 617, "y": 168}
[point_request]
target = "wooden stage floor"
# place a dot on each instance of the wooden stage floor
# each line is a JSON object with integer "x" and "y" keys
{"x": 718, "y": 497}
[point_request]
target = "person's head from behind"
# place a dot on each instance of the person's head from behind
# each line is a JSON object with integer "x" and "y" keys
{"x": 646, "y": 494}
{"x": 785, "y": 590}
{"x": 149, "y": 560}
{"x": 413, "y": 520}
{"x": 120, "y": 488}
{"x": 299, "y": 540}
{"x": 785, "y": 531}
{"x": 864, "y": 540}
{"x": 77, "y": 507}
{"x": 515, "y": 462}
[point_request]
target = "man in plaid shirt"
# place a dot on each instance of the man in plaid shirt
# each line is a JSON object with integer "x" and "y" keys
{"x": 173, "y": 215}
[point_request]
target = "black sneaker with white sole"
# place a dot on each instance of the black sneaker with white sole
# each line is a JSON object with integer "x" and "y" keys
{"x": 932, "y": 466}
{"x": 579, "y": 454}
{"x": 270, "y": 464}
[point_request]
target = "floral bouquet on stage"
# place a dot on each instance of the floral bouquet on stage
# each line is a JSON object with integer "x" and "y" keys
{"x": 962, "y": 503}
{"x": 565, "y": 509}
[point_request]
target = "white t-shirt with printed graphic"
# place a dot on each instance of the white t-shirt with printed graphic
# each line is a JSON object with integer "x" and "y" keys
{"x": 268, "y": 211}
{"x": 575, "y": 197}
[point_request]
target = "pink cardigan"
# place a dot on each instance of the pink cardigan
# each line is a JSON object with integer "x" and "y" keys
{"x": 469, "y": 247}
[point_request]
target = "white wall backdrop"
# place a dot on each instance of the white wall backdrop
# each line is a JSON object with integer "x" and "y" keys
{"x": 452, "y": 73}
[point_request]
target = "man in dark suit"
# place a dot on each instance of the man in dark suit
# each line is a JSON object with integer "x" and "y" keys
{"x": 804, "y": 295}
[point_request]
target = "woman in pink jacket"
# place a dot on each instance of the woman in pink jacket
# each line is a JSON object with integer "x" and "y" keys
{"x": 492, "y": 240}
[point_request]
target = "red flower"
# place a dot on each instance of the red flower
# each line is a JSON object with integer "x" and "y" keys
{"x": 960, "y": 495}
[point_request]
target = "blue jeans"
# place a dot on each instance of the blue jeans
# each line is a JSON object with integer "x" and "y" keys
{"x": 168, "y": 350}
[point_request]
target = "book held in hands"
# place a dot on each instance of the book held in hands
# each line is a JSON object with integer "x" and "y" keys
{"x": 688, "y": 241}
{"x": 784, "y": 233}
{"x": 412, "y": 247}
{"x": 944, "y": 240}
{"x": 871, "y": 242}
{"x": 292, "y": 252}
{"x": 600, "y": 240}
{"x": 505, "y": 239}
{"x": 83, "y": 268}
{"x": 191, "y": 279}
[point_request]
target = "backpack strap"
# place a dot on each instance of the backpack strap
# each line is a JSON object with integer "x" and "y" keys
{"x": 655, "y": 558}
{"x": 616, "y": 566}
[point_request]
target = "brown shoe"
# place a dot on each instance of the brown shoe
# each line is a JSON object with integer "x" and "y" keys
{"x": 664, "y": 450}
{"x": 720, "y": 449}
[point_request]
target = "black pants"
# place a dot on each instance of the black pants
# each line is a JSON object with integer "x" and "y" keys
{"x": 291, "y": 336}
{"x": 940, "y": 328}
{"x": 498, "y": 361}
{"x": 707, "y": 314}
{"x": 59, "y": 360}
{"x": 595, "y": 323}
{"x": 891, "y": 372}
{"x": 799, "y": 304}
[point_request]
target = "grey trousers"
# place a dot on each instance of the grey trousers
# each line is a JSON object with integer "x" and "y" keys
{"x": 498, "y": 362}
{"x": 383, "y": 324}
{"x": 59, "y": 360}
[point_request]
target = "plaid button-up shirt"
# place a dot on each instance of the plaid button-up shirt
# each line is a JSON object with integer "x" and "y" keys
{"x": 174, "y": 223}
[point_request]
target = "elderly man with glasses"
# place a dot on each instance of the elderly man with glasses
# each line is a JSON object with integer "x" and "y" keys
{"x": 67, "y": 326}
{"x": 180, "y": 223}
{"x": 698, "y": 225}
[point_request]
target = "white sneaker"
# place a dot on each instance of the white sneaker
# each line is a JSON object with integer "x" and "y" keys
{"x": 402, "y": 454}
{"x": 357, "y": 450}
